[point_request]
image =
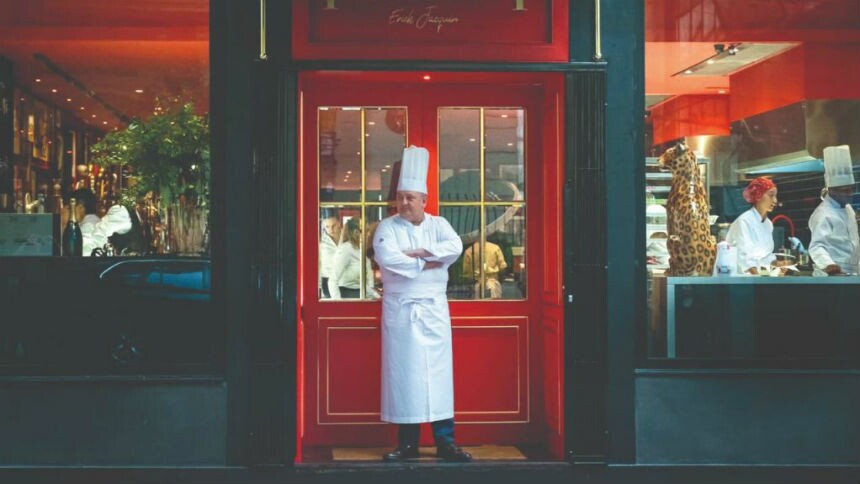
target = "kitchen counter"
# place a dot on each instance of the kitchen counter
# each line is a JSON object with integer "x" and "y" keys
{"x": 755, "y": 316}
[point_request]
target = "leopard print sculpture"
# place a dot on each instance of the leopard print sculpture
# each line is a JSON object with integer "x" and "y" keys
{"x": 692, "y": 248}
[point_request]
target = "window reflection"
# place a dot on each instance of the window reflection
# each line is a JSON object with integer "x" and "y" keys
{"x": 481, "y": 171}
{"x": 459, "y": 154}
{"x": 345, "y": 270}
{"x": 359, "y": 158}
{"x": 340, "y": 154}
{"x": 385, "y": 138}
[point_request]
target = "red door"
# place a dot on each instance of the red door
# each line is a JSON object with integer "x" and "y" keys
{"x": 494, "y": 174}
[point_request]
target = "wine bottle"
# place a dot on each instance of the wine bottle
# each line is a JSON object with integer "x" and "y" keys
{"x": 73, "y": 240}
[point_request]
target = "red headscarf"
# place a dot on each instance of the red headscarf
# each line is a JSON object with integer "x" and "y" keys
{"x": 757, "y": 188}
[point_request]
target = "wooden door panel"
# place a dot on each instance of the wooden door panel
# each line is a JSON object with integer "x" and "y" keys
{"x": 491, "y": 369}
{"x": 349, "y": 359}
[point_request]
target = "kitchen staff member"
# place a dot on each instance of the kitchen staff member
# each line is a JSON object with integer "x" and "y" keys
{"x": 413, "y": 250}
{"x": 835, "y": 248}
{"x": 752, "y": 231}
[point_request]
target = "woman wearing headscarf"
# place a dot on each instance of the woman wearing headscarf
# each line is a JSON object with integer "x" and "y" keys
{"x": 752, "y": 231}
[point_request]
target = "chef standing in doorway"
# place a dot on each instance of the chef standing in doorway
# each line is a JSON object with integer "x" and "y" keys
{"x": 413, "y": 250}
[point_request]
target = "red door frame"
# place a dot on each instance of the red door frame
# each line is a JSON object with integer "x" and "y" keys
{"x": 532, "y": 328}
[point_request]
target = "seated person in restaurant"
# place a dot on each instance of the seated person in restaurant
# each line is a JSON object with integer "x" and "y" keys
{"x": 835, "y": 245}
{"x": 494, "y": 264}
{"x": 94, "y": 229}
{"x": 752, "y": 231}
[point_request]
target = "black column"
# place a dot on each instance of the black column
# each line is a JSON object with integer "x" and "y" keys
{"x": 585, "y": 274}
{"x": 232, "y": 50}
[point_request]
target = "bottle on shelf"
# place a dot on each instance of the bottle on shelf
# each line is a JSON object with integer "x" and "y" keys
{"x": 73, "y": 240}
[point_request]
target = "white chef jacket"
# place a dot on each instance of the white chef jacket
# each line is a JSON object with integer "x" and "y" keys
{"x": 417, "y": 362}
{"x": 753, "y": 238}
{"x": 834, "y": 237}
{"x": 95, "y": 231}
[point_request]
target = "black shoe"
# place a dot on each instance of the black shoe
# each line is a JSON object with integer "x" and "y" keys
{"x": 452, "y": 453}
{"x": 402, "y": 453}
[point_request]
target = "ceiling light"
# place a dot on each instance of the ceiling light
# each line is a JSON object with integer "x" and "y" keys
{"x": 53, "y": 90}
{"x": 688, "y": 71}
{"x": 82, "y": 108}
{"x": 104, "y": 122}
{"x": 139, "y": 91}
{"x": 68, "y": 99}
{"x": 371, "y": 123}
{"x": 472, "y": 140}
{"x": 94, "y": 115}
{"x": 38, "y": 80}
{"x": 504, "y": 115}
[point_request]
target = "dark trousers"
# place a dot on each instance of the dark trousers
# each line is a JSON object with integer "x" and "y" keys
{"x": 443, "y": 432}
{"x": 324, "y": 287}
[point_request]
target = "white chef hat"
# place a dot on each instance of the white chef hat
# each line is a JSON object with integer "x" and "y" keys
{"x": 413, "y": 170}
{"x": 838, "y": 170}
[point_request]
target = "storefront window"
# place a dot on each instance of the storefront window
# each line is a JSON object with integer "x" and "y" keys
{"x": 752, "y": 143}
{"x": 107, "y": 105}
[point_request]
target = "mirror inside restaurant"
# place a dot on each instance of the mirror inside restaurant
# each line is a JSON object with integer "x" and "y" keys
{"x": 752, "y": 138}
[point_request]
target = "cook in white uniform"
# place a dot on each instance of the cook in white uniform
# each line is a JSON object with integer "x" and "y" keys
{"x": 752, "y": 232}
{"x": 834, "y": 247}
{"x": 413, "y": 250}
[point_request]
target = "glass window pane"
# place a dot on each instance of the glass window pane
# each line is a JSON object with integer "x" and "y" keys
{"x": 340, "y": 154}
{"x": 466, "y": 222}
{"x": 504, "y": 154}
{"x": 503, "y": 256}
{"x": 341, "y": 271}
{"x": 459, "y": 154}
{"x": 385, "y": 138}
{"x": 759, "y": 297}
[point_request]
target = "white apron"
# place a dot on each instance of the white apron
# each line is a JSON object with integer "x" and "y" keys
{"x": 417, "y": 364}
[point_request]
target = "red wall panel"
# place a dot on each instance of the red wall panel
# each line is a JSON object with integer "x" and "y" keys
{"x": 690, "y": 115}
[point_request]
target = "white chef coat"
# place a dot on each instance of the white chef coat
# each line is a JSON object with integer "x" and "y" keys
{"x": 834, "y": 237}
{"x": 417, "y": 362}
{"x": 753, "y": 238}
{"x": 95, "y": 231}
{"x": 326, "y": 255}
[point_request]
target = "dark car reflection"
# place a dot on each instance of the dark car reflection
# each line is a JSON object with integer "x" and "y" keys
{"x": 103, "y": 317}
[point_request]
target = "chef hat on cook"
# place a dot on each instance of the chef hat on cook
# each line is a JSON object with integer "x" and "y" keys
{"x": 413, "y": 170}
{"x": 838, "y": 170}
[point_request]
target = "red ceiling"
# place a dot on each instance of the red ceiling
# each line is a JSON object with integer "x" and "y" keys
{"x": 680, "y": 33}
{"x": 112, "y": 48}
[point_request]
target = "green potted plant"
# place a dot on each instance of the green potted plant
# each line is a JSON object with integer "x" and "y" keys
{"x": 166, "y": 157}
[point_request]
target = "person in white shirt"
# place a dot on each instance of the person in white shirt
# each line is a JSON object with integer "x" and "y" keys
{"x": 328, "y": 245}
{"x": 414, "y": 250}
{"x": 345, "y": 280}
{"x": 835, "y": 246}
{"x": 752, "y": 231}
